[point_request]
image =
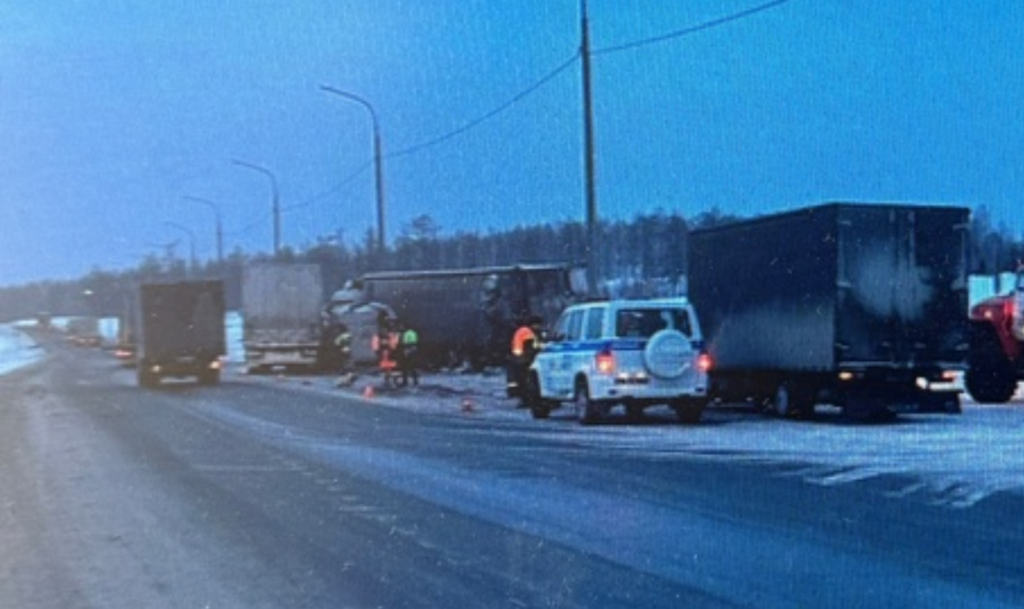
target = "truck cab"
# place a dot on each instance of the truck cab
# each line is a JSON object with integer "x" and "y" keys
{"x": 995, "y": 362}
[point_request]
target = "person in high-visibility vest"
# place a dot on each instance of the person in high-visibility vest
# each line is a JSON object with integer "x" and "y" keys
{"x": 408, "y": 355}
{"x": 385, "y": 344}
{"x": 525, "y": 345}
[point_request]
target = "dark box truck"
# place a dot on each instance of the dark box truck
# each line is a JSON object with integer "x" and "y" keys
{"x": 862, "y": 306}
{"x": 181, "y": 331}
{"x": 469, "y": 315}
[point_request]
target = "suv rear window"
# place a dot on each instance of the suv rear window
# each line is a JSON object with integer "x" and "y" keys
{"x": 644, "y": 323}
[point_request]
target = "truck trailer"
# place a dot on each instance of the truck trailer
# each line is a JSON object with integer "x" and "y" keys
{"x": 281, "y": 310}
{"x": 469, "y": 315}
{"x": 861, "y": 306}
{"x": 181, "y": 331}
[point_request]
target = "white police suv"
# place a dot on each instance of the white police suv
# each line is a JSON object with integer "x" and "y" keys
{"x": 633, "y": 353}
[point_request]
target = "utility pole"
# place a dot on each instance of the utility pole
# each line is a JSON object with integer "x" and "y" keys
{"x": 191, "y": 246}
{"x": 219, "y": 227}
{"x": 588, "y": 153}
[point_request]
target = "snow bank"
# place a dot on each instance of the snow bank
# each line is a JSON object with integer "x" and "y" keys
{"x": 16, "y": 349}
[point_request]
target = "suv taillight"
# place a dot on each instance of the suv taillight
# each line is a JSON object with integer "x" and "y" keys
{"x": 704, "y": 362}
{"x": 605, "y": 362}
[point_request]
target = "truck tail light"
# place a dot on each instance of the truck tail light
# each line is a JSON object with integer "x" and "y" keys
{"x": 605, "y": 361}
{"x": 704, "y": 362}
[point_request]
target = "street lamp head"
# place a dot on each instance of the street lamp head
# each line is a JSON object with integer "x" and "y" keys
{"x": 377, "y": 159}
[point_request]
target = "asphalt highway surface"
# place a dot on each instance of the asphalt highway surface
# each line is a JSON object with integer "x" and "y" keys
{"x": 261, "y": 494}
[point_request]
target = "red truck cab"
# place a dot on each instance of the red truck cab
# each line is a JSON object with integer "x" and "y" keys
{"x": 995, "y": 361}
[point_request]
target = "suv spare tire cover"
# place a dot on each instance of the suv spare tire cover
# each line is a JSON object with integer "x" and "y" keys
{"x": 667, "y": 354}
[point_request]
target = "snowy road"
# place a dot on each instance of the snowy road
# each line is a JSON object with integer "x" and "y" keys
{"x": 293, "y": 493}
{"x": 955, "y": 460}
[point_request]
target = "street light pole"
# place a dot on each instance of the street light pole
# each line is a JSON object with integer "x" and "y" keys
{"x": 191, "y": 244}
{"x": 275, "y": 203}
{"x": 588, "y": 153}
{"x": 220, "y": 226}
{"x": 378, "y": 169}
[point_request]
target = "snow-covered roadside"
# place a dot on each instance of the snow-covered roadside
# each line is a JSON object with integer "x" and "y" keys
{"x": 16, "y": 349}
{"x": 953, "y": 460}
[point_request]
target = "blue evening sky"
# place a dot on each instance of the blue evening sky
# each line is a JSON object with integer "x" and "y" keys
{"x": 112, "y": 112}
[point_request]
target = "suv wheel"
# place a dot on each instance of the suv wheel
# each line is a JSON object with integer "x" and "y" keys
{"x": 586, "y": 409}
{"x": 539, "y": 407}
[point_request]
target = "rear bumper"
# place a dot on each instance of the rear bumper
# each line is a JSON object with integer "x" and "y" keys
{"x": 181, "y": 367}
{"x": 282, "y": 355}
{"x": 643, "y": 390}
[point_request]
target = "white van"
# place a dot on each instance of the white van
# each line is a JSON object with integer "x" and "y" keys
{"x": 634, "y": 353}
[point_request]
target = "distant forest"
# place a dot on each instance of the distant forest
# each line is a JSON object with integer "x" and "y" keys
{"x": 644, "y": 256}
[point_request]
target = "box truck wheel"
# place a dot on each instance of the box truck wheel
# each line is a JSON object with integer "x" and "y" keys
{"x": 147, "y": 378}
{"x": 209, "y": 377}
{"x": 791, "y": 401}
{"x": 990, "y": 382}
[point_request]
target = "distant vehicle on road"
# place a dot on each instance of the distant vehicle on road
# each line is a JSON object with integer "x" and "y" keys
{"x": 995, "y": 362}
{"x": 636, "y": 353}
{"x": 281, "y": 309}
{"x": 84, "y": 331}
{"x": 44, "y": 320}
{"x": 181, "y": 331}
{"x": 856, "y": 305}
{"x": 469, "y": 315}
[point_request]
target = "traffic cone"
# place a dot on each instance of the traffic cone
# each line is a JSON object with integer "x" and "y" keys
{"x": 368, "y": 392}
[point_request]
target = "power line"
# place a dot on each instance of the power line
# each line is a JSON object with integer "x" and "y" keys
{"x": 518, "y": 97}
{"x": 489, "y": 115}
{"x": 333, "y": 189}
{"x": 707, "y": 25}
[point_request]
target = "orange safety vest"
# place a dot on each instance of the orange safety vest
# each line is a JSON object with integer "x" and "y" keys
{"x": 520, "y": 338}
{"x": 387, "y": 362}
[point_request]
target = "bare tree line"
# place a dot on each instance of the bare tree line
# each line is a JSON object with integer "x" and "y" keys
{"x": 645, "y": 254}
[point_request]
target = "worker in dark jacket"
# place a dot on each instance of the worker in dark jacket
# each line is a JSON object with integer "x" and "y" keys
{"x": 343, "y": 347}
{"x": 408, "y": 355}
{"x": 525, "y": 345}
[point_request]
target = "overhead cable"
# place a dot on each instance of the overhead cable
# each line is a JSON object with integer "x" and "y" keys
{"x": 707, "y": 25}
{"x": 489, "y": 115}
